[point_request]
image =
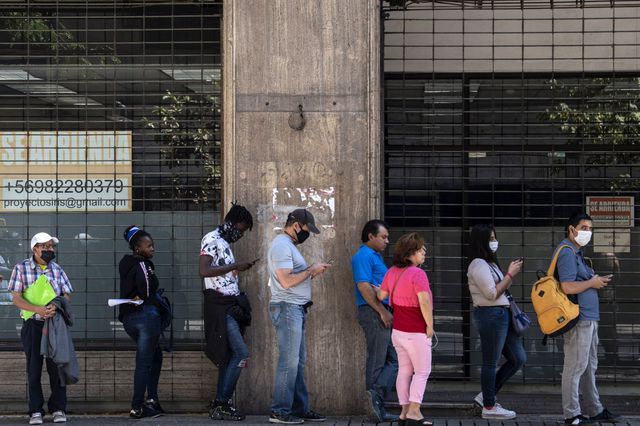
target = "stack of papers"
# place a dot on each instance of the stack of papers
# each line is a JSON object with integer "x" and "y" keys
{"x": 116, "y": 302}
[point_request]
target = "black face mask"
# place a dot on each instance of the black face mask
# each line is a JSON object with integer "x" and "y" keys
{"x": 302, "y": 236}
{"x": 230, "y": 233}
{"x": 47, "y": 255}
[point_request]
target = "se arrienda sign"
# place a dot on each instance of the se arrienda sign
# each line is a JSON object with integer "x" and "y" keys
{"x": 611, "y": 211}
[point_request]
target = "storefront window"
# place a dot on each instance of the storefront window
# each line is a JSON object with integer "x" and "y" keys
{"x": 110, "y": 116}
{"x": 523, "y": 153}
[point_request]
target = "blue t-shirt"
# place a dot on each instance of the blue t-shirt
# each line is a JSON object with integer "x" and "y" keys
{"x": 368, "y": 266}
{"x": 572, "y": 267}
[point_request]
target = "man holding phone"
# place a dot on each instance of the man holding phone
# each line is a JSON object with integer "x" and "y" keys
{"x": 581, "y": 284}
{"x": 226, "y": 309}
{"x": 290, "y": 285}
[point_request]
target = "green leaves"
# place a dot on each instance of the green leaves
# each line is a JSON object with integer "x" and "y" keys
{"x": 188, "y": 131}
{"x": 600, "y": 111}
{"x": 49, "y": 33}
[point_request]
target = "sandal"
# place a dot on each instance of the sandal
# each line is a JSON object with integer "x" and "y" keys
{"x": 422, "y": 422}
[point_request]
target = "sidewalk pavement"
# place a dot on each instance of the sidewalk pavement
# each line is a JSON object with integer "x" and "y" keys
{"x": 444, "y": 408}
{"x": 461, "y": 419}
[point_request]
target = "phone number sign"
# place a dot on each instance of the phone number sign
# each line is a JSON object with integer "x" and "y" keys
{"x": 65, "y": 171}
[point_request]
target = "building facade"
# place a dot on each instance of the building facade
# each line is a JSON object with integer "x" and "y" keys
{"x": 110, "y": 116}
{"x": 433, "y": 115}
{"x": 516, "y": 114}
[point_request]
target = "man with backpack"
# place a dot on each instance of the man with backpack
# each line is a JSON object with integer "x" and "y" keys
{"x": 581, "y": 284}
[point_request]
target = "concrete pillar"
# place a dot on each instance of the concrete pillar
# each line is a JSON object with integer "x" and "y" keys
{"x": 322, "y": 55}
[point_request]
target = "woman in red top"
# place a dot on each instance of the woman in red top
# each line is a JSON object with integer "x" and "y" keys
{"x": 410, "y": 296}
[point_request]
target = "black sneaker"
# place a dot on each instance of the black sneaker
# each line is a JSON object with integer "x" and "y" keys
{"x": 579, "y": 420}
{"x": 156, "y": 405}
{"x": 606, "y": 417}
{"x": 225, "y": 411}
{"x": 391, "y": 418}
{"x": 375, "y": 406}
{"x": 312, "y": 416}
{"x": 285, "y": 419}
{"x": 144, "y": 411}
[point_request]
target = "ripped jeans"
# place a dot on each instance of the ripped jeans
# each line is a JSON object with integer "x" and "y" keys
{"x": 229, "y": 374}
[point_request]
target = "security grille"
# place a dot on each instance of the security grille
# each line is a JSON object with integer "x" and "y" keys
{"x": 516, "y": 114}
{"x": 109, "y": 116}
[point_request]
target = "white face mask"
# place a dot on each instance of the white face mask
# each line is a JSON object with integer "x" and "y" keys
{"x": 493, "y": 245}
{"x": 583, "y": 238}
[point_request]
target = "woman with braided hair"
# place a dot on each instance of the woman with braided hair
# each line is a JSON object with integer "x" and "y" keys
{"x": 142, "y": 322}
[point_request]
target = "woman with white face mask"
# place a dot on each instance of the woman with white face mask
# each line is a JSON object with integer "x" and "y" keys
{"x": 491, "y": 317}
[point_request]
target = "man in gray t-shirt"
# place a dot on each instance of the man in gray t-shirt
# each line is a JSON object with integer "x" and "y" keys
{"x": 290, "y": 284}
{"x": 283, "y": 254}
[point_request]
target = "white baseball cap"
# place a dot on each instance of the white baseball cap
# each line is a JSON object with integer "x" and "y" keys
{"x": 42, "y": 237}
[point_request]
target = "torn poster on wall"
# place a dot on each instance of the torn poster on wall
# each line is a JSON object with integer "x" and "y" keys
{"x": 321, "y": 202}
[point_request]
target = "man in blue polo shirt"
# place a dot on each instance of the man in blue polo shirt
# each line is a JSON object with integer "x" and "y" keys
{"x": 581, "y": 342}
{"x": 375, "y": 318}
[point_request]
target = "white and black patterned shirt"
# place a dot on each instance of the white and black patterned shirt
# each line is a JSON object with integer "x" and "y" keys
{"x": 218, "y": 248}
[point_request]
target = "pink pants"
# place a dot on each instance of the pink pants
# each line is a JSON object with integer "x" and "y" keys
{"x": 414, "y": 365}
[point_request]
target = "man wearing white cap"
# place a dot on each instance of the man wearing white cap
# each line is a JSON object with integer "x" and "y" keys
{"x": 24, "y": 275}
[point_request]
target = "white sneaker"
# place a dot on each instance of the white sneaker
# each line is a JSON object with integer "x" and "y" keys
{"x": 498, "y": 413}
{"x": 36, "y": 419}
{"x": 478, "y": 399}
{"x": 59, "y": 417}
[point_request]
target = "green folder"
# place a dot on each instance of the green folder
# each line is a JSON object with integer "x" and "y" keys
{"x": 40, "y": 293}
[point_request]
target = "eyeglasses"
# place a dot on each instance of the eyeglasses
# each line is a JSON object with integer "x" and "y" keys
{"x": 47, "y": 246}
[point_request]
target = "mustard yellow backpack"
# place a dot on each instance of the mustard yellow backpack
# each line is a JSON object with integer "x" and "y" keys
{"x": 556, "y": 313}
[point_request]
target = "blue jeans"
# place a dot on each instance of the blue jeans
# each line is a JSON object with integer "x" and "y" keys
{"x": 229, "y": 374}
{"x": 497, "y": 337}
{"x": 290, "y": 392}
{"x": 382, "y": 361}
{"x": 144, "y": 328}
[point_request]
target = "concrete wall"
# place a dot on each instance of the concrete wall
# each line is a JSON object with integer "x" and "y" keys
{"x": 533, "y": 40}
{"x": 323, "y": 55}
